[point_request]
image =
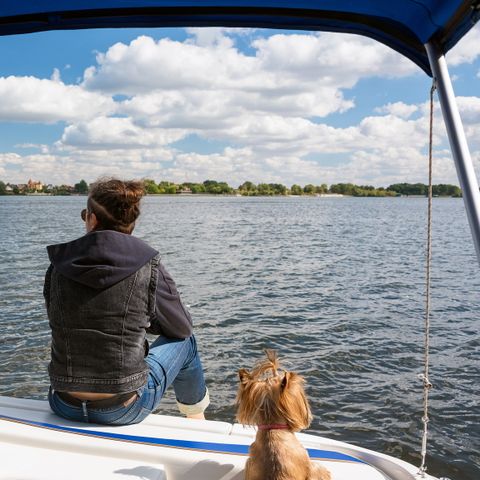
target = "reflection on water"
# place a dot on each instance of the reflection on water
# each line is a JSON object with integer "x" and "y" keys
{"x": 336, "y": 285}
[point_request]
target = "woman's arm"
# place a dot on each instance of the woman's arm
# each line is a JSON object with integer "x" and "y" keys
{"x": 171, "y": 318}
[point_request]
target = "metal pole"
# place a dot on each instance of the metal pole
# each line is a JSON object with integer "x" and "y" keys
{"x": 458, "y": 142}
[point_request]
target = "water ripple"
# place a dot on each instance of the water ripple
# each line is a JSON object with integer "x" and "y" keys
{"x": 336, "y": 285}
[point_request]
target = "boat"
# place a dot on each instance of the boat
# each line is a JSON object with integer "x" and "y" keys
{"x": 35, "y": 444}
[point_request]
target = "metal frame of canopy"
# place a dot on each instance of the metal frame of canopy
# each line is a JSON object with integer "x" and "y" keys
{"x": 422, "y": 30}
{"x": 458, "y": 142}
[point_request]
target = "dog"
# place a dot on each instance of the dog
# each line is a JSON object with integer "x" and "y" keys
{"x": 276, "y": 403}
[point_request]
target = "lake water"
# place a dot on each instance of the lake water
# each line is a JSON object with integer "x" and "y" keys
{"x": 335, "y": 284}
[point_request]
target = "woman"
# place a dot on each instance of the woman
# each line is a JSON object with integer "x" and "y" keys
{"x": 104, "y": 291}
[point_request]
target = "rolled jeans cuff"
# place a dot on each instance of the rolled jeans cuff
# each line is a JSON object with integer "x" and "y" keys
{"x": 196, "y": 407}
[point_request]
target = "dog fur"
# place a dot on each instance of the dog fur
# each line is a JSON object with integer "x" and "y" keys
{"x": 268, "y": 397}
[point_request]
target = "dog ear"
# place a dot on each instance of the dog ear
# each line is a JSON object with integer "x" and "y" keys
{"x": 293, "y": 401}
{"x": 244, "y": 375}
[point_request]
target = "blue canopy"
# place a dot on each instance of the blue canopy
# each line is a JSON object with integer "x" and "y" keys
{"x": 404, "y": 25}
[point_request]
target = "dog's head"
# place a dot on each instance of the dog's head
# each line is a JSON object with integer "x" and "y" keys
{"x": 267, "y": 395}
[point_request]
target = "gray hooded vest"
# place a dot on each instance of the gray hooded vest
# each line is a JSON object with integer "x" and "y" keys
{"x": 103, "y": 292}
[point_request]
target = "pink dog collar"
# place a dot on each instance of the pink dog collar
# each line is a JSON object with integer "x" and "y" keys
{"x": 274, "y": 426}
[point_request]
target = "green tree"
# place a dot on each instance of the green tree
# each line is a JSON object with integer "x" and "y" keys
{"x": 323, "y": 188}
{"x": 457, "y": 192}
{"x": 3, "y": 188}
{"x": 151, "y": 187}
{"x": 168, "y": 188}
{"x": 445, "y": 190}
{"x": 248, "y": 188}
{"x": 217, "y": 188}
{"x": 344, "y": 188}
{"x": 194, "y": 187}
{"x": 81, "y": 187}
{"x": 278, "y": 188}
{"x": 198, "y": 188}
{"x": 296, "y": 189}
{"x": 61, "y": 190}
{"x": 264, "y": 189}
{"x": 309, "y": 189}
{"x": 409, "y": 188}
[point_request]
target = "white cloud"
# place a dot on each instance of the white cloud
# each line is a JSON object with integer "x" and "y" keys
{"x": 391, "y": 131}
{"x": 28, "y": 166}
{"x": 330, "y": 59}
{"x": 210, "y": 36}
{"x": 304, "y": 72}
{"x": 469, "y": 109}
{"x": 10, "y": 159}
{"x": 43, "y": 148}
{"x": 467, "y": 50}
{"x": 55, "y": 77}
{"x": 145, "y": 65}
{"x": 113, "y": 133}
{"x": 218, "y": 109}
{"x": 398, "y": 109}
{"x": 265, "y": 101}
{"x": 266, "y": 105}
{"x": 30, "y": 99}
{"x": 388, "y": 166}
{"x": 70, "y": 166}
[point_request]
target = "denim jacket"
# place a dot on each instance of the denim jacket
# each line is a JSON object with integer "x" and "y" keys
{"x": 104, "y": 292}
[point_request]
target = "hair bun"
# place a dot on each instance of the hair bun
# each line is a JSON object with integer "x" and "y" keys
{"x": 116, "y": 203}
{"x": 134, "y": 190}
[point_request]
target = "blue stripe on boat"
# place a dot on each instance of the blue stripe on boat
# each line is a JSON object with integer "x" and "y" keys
{"x": 231, "y": 448}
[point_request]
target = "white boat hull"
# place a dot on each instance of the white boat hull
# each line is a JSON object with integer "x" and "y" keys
{"x": 35, "y": 444}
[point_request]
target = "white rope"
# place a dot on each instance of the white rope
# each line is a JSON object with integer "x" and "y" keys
{"x": 424, "y": 377}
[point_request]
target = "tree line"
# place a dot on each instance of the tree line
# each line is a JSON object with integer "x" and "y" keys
{"x": 213, "y": 187}
{"x": 440, "y": 190}
{"x": 248, "y": 188}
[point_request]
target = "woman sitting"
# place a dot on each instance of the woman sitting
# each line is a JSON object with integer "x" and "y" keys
{"x": 104, "y": 292}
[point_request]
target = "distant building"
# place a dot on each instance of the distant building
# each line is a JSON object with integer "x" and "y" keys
{"x": 8, "y": 188}
{"x": 35, "y": 186}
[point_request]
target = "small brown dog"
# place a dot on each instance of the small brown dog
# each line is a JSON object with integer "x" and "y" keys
{"x": 276, "y": 403}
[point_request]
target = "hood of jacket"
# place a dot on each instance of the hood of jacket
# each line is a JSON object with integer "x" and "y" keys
{"x": 101, "y": 258}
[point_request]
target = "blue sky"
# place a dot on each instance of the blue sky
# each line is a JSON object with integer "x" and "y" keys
{"x": 224, "y": 104}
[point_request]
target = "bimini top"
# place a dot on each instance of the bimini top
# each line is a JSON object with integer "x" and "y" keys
{"x": 404, "y": 25}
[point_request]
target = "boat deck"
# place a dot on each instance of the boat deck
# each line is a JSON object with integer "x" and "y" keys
{"x": 36, "y": 444}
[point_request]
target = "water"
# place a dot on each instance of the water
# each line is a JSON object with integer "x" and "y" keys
{"x": 336, "y": 285}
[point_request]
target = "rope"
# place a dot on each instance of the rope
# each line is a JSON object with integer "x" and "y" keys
{"x": 424, "y": 377}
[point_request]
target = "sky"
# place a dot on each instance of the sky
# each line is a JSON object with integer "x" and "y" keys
{"x": 187, "y": 105}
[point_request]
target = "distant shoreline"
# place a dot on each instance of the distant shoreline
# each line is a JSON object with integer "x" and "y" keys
{"x": 246, "y": 189}
{"x": 231, "y": 195}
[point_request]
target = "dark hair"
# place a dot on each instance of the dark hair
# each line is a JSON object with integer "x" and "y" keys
{"x": 116, "y": 203}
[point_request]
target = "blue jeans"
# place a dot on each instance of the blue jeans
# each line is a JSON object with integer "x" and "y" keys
{"x": 171, "y": 362}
